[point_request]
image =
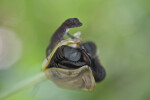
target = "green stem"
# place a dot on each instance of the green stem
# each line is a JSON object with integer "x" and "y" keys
{"x": 23, "y": 85}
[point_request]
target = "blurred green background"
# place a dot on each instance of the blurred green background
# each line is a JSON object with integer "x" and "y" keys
{"x": 120, "y": 29}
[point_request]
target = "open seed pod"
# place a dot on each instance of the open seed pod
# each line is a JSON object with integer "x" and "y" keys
{"x": 72, "y": 77}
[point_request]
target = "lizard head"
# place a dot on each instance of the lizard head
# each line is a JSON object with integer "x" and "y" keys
{"x": 72, "y": 22}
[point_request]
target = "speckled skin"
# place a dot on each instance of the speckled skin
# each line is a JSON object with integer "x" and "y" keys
{"x": 61, "y": 32}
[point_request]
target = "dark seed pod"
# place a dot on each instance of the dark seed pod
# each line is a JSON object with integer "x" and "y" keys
{"x": 97, "y": 69}
{"x": 74, "y": 65}
{"x": 67, "y": 68}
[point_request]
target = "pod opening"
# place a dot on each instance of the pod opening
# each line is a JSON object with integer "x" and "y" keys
{"x": 68, "y": 58}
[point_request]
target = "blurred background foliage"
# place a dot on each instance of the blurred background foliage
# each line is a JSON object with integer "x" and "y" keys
{"x": 120, "y": 29}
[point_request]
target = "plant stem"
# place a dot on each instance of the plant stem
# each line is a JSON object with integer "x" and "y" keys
{"x": 23, "y": 85}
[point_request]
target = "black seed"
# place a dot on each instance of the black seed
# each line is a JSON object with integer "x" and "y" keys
{"x": 71, "y": 54}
